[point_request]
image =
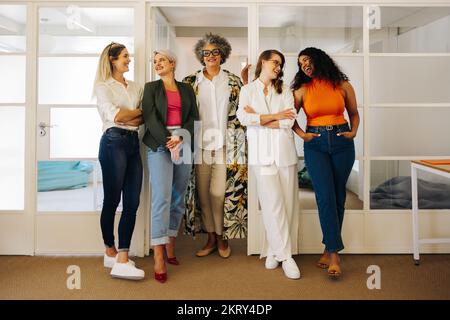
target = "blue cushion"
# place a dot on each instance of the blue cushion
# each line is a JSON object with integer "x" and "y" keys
{"x": 63, "y": 175}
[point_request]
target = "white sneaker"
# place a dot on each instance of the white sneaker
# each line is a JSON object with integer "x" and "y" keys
{"x": 290, "y": 269}
{"x": 127, "y": 271}
{"x": 108, "y": 262}
{"x": 271, "y": 262}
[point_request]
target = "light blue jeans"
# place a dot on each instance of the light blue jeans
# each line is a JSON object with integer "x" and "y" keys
{"x": 169, "y": 182}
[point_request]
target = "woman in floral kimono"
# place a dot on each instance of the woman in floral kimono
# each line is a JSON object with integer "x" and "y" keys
{"x": 216, "y": 200}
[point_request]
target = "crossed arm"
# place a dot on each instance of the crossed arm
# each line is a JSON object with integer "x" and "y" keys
{"x": 272, "y": 120}
{"x": 129, "y": 117}
{"x": 248, "y": 116}
{"x": 112, "y": 112}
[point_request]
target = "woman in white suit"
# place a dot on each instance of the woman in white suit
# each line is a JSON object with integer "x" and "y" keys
{"x": 266, "y": 107}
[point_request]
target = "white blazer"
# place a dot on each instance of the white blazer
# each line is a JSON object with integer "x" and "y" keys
{"x": 267, "y": 146}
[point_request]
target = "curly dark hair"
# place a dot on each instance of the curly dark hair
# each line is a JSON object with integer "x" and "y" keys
{"x": 324, "y": 69}
{"x": 222, "y": 44}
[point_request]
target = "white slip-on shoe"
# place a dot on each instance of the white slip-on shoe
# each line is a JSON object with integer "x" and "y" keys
{"x": 127, "y": 271}
{"x": 108, "y": 262}
{"x": 271, "y": 262}
{"x": 290, "y": 269}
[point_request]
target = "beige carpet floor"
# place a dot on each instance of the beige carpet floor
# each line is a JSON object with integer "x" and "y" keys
{"x": 239, "y": 277}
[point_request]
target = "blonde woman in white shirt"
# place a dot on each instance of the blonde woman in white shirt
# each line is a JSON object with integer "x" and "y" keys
{"x": 118, "y": 102}
{"x": 266, "y": 107}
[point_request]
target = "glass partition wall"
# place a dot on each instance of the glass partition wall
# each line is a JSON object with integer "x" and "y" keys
{"x": 396, "y": 57}
{"x": 409, "y": 110}
{"x": 397, "y": 71}
{"x": 179, "y": 28}
{"x": 338, "y": 31}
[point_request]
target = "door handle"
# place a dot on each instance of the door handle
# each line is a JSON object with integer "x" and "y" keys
{"x": 42, "y": 126}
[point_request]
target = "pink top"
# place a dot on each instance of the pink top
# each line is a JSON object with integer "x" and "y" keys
{"x": 173, "y": 108}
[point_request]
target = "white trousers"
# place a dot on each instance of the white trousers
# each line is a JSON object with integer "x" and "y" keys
{"x": 277, "y": 189}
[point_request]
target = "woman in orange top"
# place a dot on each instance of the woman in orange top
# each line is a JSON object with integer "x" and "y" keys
{"x": 324, "y": 93}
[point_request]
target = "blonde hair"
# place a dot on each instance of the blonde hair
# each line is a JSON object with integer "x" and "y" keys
{"x": 105, "y": 67}
{"x": 168, "y": 54}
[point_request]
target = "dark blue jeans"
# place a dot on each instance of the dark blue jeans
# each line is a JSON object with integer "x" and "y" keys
{"x": 122, "y": 174}
{"x": 329, "y": 160}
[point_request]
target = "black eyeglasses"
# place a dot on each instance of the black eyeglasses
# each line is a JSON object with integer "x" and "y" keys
{"x": 207, "y": 53}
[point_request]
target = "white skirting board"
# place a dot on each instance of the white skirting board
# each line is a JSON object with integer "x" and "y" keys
{"x": 79, "y": 233}
{"x": 363, "y": 232}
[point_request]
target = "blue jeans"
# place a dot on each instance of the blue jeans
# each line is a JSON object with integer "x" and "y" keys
{"x": 169, "y": 183}
{"x": 122, "y": 174}
{"x": 329, "y": 160}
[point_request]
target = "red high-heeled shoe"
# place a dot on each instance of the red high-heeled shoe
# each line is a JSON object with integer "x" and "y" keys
{"x": 173, "y": 261}
{"x": 161, "y": 277}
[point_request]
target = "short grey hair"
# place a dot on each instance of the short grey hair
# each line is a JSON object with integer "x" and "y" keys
{"x": 222, "y": 44}
{"x": 166, "y": 53}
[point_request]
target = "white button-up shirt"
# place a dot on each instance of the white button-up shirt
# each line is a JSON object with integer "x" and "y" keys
{"x": 112, "y": 96}
{"x": 267, "y": 146}
{"x": 213, "y": 99}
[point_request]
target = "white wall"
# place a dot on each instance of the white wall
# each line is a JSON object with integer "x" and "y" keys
{"x": 295, "y": 38}
{"x": 433, "y": 37}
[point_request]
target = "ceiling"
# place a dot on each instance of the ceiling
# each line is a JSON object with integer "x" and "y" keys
{"x": 411, "y": 17}
{"x": 201, "y": 17}
{"x": 100, "y": 17}
{"x": 310, "y": 17}
{"x": 17, "y": 14}
{"x": 13, "y": 17}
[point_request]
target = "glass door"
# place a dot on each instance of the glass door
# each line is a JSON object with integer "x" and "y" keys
{"x": 69, "y": 178}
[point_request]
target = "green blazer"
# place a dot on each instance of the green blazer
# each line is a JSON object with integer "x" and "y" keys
{"x": 154, "y": 110}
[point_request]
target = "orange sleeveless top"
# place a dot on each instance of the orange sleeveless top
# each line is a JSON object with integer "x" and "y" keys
{"x": 323, "y": 104}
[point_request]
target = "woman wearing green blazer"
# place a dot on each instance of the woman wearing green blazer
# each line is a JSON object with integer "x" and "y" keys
{"x": 169, "y": 109}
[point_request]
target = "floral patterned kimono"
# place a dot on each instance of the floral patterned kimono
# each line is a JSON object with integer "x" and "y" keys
{"x": 235, "y": 205}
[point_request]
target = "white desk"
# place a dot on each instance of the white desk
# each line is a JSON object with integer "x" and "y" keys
{"x": 442, "y": 170}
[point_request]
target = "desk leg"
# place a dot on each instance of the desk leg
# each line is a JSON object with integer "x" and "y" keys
{"x": 415, "y": 214}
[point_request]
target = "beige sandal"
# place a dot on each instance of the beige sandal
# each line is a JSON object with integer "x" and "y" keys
{"x": 334, "y": 271}
{"x": 323, "y": 263}
{"x": 206, "y": 251}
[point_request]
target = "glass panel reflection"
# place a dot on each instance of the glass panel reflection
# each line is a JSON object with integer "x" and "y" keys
{"x": 293, "y": 28}
{"x": 410, "y": 30}
{"x": 70, "y": 186}
{"x": 390, "y": 182}
{"x": 355, "y": 185}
